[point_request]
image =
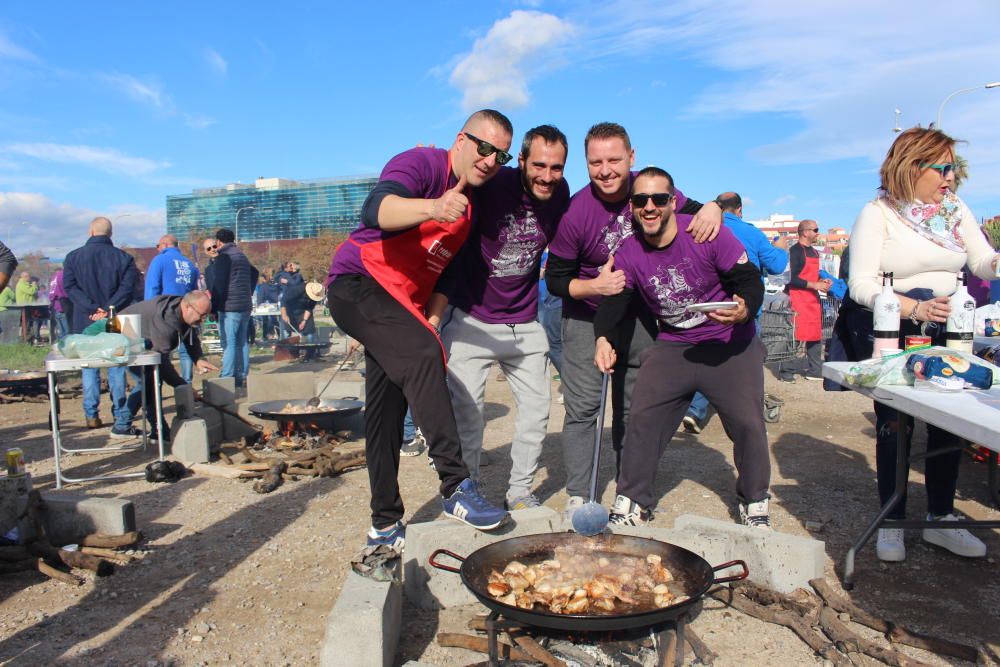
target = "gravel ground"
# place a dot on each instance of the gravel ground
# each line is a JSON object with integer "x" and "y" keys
{"x": 232, "y": 577}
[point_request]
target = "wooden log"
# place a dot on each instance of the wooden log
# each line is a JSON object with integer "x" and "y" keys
{"x": 788, "y": 619}
{"x": 807, "y": 607}
{"x": 305, "y": 472}
{"x": 110, "y": 554}
{"x": 225, "y": 458}
{"x": 72, "y": 558}
{"x": 271, "y": 479}
{"x": 478, "y": 623}
{"x": 698, "y": 647}
{"x": 839, "y": 633}
{"x": 111, "y": 541}
{"x": 226, "y": 472}
{"x": 670, "y": 650}
{"x": 480, "y": 644}
{"x": 58, "y": 575}
{"x": 534, "y": 649}
{"x": 256, "y": 467}
{"x": 894, "y": 633}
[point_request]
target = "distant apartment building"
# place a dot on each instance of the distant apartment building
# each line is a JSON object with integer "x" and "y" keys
{"x": 777, "y": 225}
{"x": 270, "y": 208}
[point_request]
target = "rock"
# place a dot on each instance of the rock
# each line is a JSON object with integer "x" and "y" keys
{"x": 203, "y": 628}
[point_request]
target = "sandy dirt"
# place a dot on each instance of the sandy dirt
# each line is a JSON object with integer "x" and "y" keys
{"x": 232, "y": 577}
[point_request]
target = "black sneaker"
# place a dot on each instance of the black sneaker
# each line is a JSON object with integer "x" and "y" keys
{"x": 415, "y": 446}
{"x": 691, "y": 424}
{"x": 624, "y": 512}
{"x": 125, "y": 432}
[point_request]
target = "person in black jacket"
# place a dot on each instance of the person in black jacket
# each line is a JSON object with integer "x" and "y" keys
{"x": 96, "y": 277}
{"x": 231, "y": 283}
{"x": 8, "y": 264}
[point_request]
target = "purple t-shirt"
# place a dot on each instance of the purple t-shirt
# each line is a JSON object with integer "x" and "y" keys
{"x": 589, "y": 232}
{"x": 422, "y": 171}
{"x": 494, "y": 277}
{"x": 683, "y": 273}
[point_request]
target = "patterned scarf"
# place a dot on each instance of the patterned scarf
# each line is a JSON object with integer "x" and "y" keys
{"x": 937, "y": 223}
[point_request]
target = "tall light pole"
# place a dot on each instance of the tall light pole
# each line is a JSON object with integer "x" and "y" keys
{"x": 236, "y": 232}
{"x": 937, "y": 123}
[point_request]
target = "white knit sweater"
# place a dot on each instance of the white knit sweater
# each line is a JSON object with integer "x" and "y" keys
{"x": 881, "y": 241}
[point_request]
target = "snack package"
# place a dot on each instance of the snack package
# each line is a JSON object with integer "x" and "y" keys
{"x": 987, "y": 320}
{"x": 949, "y": 367}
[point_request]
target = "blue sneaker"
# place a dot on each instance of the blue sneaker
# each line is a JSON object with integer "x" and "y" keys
{"x": 393, "y": 537}
{"x": 468, "y": 506}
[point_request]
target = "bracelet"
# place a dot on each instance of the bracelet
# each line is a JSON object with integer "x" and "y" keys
{"x": 913, "y": 313}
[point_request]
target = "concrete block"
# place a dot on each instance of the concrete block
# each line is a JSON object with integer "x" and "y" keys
{"x": 278, "y": 386}
{"x": 213, "y": 422}
{"x": 184, "y": 401}
{"x": 417, "y": 663}
{"x": 220, "y": 391}
{"x": 775, "y": 560}
{"x": 68, "y": 517}
{"x": 189, "y": 441}
{"x": 363, "y": 627}
{"x": 712, "y": 546}
{"x": 430, "y": 588}
{"x": 13, "y": 497}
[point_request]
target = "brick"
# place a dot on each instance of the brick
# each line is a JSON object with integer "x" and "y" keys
{"x": 363, "y": 627}
{"x": 68, "y": 517}
{"x": 189, "y": 441}
{"x": 429, "y": 588}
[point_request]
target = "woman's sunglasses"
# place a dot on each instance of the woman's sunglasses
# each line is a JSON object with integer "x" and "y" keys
{"x": 486, "y": 149}
{"x": 946, "y": 169}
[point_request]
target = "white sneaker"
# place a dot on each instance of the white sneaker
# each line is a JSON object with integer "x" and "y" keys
{"x": 756, "y": 515}
{"x": 956, "y": 540}
{"x": 572, "y": 505}
{"x": 890, "y": 546}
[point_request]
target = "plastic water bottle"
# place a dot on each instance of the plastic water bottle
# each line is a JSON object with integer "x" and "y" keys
{"x": 886, "y": 318}
{"x": 961, "y": 321}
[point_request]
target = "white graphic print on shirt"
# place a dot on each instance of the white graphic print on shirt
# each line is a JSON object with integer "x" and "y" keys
{"x": 675, "y": 291}
{"x": 523, "y": 242}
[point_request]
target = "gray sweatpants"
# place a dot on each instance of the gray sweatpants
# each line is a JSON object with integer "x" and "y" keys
{"x": 581, "y": 384}
{"x": 522, "y": 351}
{"x": 731, "y": 376}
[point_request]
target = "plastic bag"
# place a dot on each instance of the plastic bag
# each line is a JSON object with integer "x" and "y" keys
{"x": 95, "y": 327}
{"x": 892, "y": 370}
{"x": 987, "y": 320}
{"x": 108, "y": 346}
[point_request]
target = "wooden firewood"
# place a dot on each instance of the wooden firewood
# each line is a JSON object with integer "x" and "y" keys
{"x": 225, "y": 458}
{"x": 271, "y": 479}
{"x": 110, "y": 554}
{"x": 788, "y": 619}
{"x": 700, "y": 649}
{"x": 72, "y": 558}
{"x": 670, "y": 650}
{"x": 895, "y": 634}
{"x": 305, "y": 472}
{"x": 480, "y": 644}
{"x": 111, "y": 541}
{"x": 840, "y": 634}
{"x": 58, "y": 575}
{"x": 808, "y": 607}
{"x": 534, "y": 649}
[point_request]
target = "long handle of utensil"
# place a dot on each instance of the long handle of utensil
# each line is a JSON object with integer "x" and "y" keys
{"x": 336, "y": 372}
{"x": 597, "y": 437}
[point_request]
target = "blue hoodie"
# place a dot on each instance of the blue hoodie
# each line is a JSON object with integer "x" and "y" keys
{"x": 171, "y": 273}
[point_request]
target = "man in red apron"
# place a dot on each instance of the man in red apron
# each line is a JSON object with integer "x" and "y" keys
{"x": 379, "y": 291}
{"x": 803, "y": 292}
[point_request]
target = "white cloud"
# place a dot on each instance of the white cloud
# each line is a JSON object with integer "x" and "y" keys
{"x": 216, "y": 62}
{"x": 35, "y": 222}
{"x": 12, "y": 51}
{"x": 783, "y": 199}
{"x": 148, "y": 93}
{"x": 105, "y": 159}
{"x": 496, "y": 72}
{"x": 198, "y": 122}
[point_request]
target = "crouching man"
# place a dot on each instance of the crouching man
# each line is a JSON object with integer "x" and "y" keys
{"x": 714, "y": 352}
{"x": 169, "y": 321}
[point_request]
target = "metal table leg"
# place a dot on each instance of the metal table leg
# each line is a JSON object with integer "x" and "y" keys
{"x": 54, "y": 416}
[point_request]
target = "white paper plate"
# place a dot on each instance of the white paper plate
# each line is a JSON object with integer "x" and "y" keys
{"x": 712, "y": 305}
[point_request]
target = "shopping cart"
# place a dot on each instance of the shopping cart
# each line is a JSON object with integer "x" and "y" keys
{"x": 777, "y": 331}
{"x": 831, "y": 307}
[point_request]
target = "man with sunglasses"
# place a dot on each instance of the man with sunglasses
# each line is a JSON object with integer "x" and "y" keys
{"x": 169, "y": 322}
{"x": 380, "y": 286}
{"x": 716, "y": 352}
{"x": 803, "y": 293}
{"x": 492, "y": 287}
{"x": 581, "y": 270}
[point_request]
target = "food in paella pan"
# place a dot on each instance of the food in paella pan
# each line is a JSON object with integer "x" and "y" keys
{"x": 586, "y": 583}
{"x": 300, "y": 409}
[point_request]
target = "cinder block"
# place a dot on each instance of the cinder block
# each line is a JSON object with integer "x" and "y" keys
{"x": 189, "y": 441}
{"x": 13, "y": 497}
{"x": 278, "y": 386}
{"x": 68, "y": 517}
{"x": 429, "y": 588}
{"x": 363, "y": 627}
{"x": 220, "y": 391}
{"x": 184, "y": 401}
{"x": 775, "y": 560}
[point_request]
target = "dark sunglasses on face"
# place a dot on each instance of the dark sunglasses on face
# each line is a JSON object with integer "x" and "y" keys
{"x": 660, "y": 199}
{"x": 946, "y": 169}
{"x": 211, "y": 248}
{"x": 486, "y": 149}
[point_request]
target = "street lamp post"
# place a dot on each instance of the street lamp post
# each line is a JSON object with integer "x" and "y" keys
{"x": 236, "y": 232}
{"x": 937, "y": 123}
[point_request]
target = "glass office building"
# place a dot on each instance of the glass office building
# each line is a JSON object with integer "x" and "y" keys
{"x": 270, "y": 209}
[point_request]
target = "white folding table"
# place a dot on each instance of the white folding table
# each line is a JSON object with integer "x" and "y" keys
{"x": 970, "y": 414}
{"x": 56, "y": 363}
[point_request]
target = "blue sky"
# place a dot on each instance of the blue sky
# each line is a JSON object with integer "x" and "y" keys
{"x": 107, "y": 107}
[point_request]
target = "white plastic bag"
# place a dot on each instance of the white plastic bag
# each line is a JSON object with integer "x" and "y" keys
{"x": 109, "y": 346}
